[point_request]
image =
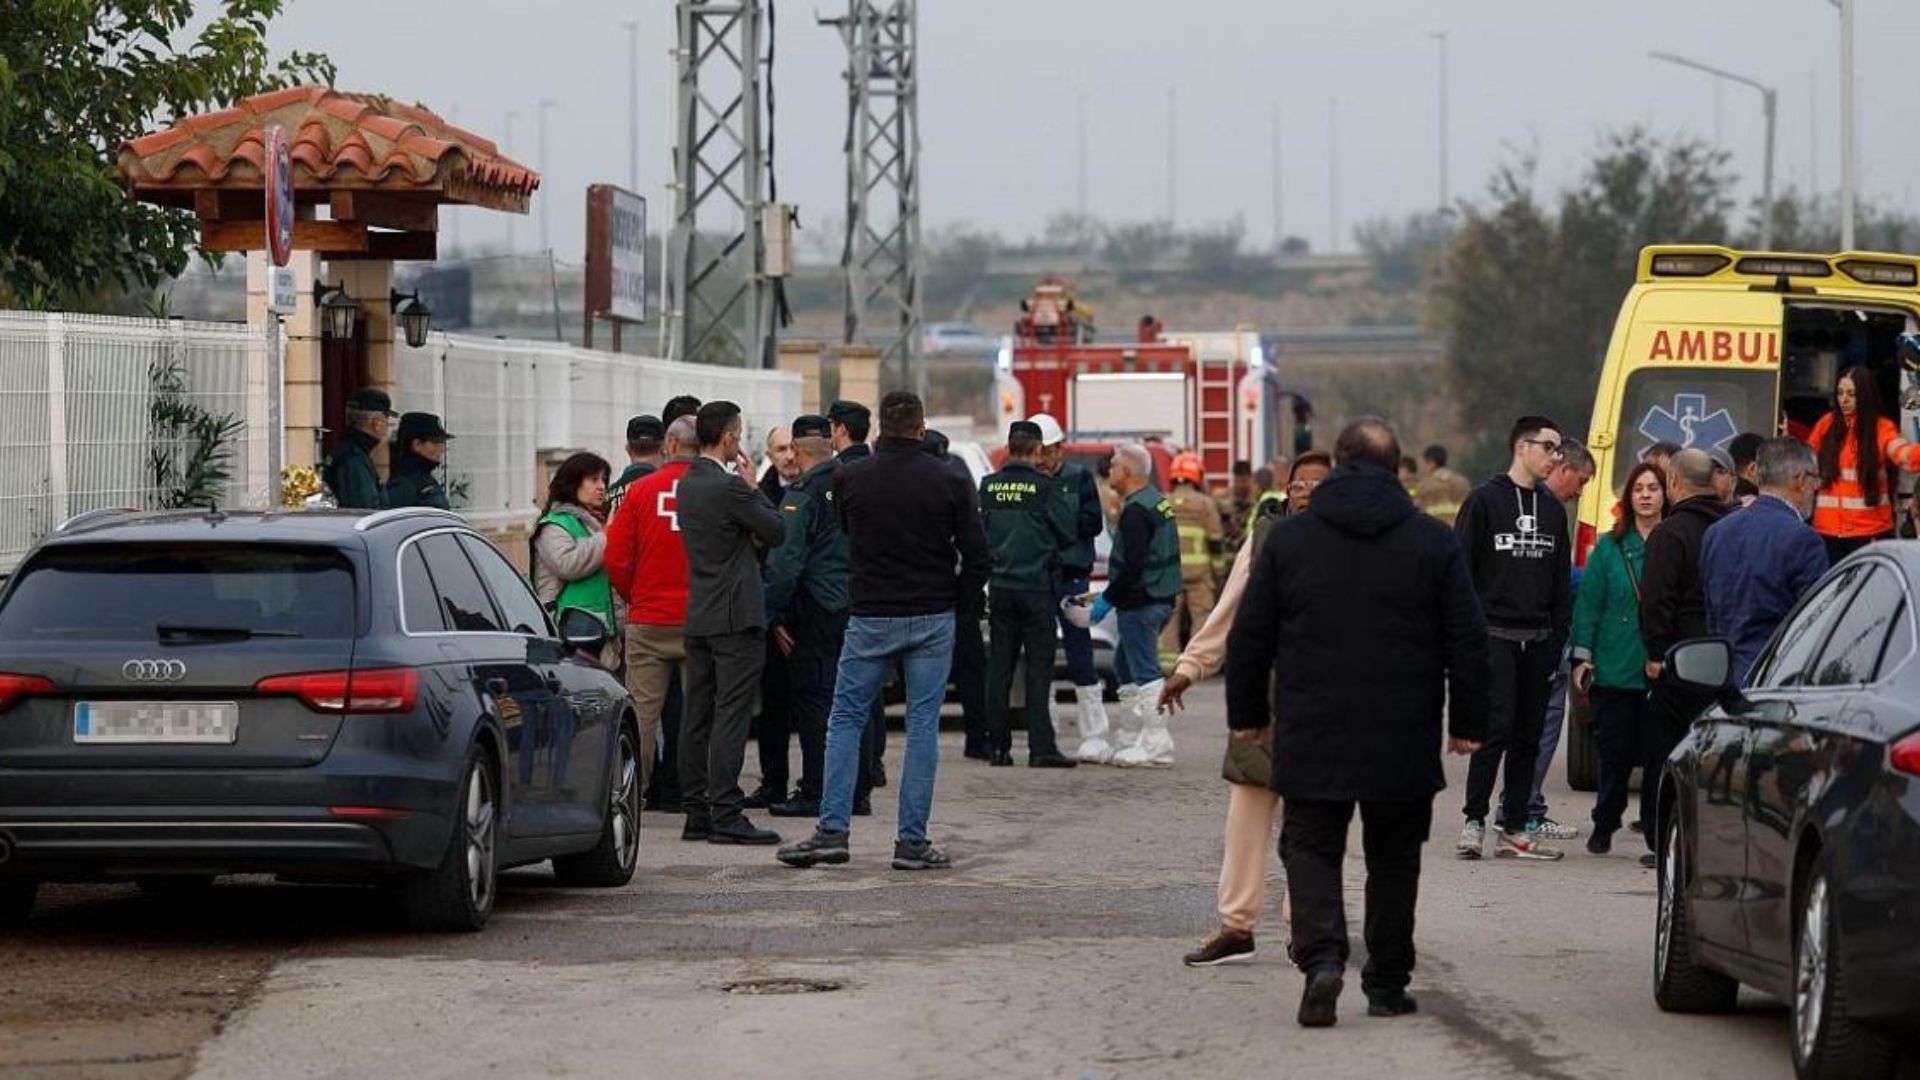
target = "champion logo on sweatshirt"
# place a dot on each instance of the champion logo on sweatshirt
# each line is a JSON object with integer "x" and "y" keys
{"x": 1526, "y": 541}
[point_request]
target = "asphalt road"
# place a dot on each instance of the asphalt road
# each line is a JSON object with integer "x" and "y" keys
{"x": 1051, "y": 949}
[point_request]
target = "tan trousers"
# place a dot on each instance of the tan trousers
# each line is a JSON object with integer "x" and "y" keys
{"x": 652, "y": 651}
{"x": 1196, "y": 598}
{"x": 1252, "y": 812}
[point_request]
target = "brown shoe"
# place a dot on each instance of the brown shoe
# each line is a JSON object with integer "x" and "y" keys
{"x": 1223, "y": 946}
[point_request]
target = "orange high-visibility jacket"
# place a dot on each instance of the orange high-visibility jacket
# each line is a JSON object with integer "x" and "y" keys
{"x": 1842, "y": 509}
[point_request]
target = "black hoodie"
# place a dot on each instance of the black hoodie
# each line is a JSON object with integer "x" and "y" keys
{"x": 1362, "y": 612}
{"x": 1520, "y": 555}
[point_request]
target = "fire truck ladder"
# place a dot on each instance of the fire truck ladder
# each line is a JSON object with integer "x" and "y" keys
{"x": 1213, "y": 435}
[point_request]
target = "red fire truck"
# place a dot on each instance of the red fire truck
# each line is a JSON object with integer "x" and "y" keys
{"x": 1211, "y": 392}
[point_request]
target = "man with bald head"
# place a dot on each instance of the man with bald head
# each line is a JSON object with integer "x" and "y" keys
{"x": 1673, "y": 608}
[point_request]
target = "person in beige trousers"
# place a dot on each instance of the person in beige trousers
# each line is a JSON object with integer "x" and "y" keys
{"x": 1252, "y": 807}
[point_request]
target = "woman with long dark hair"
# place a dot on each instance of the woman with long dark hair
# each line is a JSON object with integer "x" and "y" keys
{"x": 1859, "y": 448}
{"x": 570, "y": 544}
{"x": 1609, "y": 660}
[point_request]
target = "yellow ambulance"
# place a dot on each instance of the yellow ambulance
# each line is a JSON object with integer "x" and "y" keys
{"x": 1712, "y": 342}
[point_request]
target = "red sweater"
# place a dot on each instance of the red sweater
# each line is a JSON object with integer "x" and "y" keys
{"x": 646, "y": 560}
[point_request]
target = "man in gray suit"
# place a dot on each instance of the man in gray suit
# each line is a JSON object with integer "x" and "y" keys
{"x": 725, "y": 522}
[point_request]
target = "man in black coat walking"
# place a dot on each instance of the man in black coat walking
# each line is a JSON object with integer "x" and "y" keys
{"x": 1371, "y": 605}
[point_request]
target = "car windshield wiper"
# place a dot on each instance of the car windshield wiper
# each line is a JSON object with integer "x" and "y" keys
{"x": 180, "y": 632}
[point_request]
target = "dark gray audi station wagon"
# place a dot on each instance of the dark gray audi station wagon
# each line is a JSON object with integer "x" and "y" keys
{"x": 322, "y": 695}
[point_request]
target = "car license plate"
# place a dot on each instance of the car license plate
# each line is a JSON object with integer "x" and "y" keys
{"x": 155, "y": 721}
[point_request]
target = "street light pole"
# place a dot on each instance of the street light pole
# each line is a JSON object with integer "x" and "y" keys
{"x": 633, "y": 105}
{"x": 1441, "y": 38}
{"x": 545, "y": 242}
{"x": 1769, "y": 103}
{"x": 1846, "y": 124}
{"x": 508, "y": 143}
{"x": 1333, "y": 175}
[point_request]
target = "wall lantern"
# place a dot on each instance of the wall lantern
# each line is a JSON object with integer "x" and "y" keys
{"x": 416, "y": 319}
{"x": 338, "y": 313}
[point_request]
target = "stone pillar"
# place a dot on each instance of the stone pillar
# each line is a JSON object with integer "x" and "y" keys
{"x": 860, "y": 375}
{"x": 802, "y": 357}
{"x": 300, "y": 407}
{"x": 370, "y": 282}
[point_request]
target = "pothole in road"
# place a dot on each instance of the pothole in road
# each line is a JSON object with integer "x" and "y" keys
{"x": 783, "y": 986}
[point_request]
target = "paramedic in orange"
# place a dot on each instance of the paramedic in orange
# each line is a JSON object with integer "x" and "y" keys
{"x": 1202, "y": 550}
{"x": 1859, "y": 449}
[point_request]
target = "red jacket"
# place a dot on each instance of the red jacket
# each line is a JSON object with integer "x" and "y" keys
{"x": 646, "y": 560}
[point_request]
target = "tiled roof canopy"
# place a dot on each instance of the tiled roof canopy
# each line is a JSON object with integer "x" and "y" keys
{"x": 338, "y": 142}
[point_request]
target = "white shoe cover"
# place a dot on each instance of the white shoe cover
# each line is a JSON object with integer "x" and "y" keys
{"x": 1094, "y": 748}
{"x": 1153, "y": 747}
{"x": 1124, "y": 724}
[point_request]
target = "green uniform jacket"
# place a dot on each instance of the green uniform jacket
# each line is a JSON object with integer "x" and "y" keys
{"x": 349, "y": 473}
{"x": 1027, "y": 523}
{"x": 617, "y": 490}
{"x": 806, "y": 576}
{"x": 1606, "y": 613}
{"x": 414, "y": 484}
{"x": 1157, "y": 579}
{"x": 1082, "y": 496}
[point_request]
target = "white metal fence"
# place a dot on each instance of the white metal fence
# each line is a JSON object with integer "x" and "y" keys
{"x": 507, "y": 401}
{"x": 76, "y": 430}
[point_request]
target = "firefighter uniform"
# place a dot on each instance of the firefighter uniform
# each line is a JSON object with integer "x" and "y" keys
{"x": 1028, "y": 523}
{"x": 1197, "y": 524}
{"x": 807, "y": 596}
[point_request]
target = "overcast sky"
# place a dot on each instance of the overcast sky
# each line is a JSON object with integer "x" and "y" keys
{"x": 1000, "y": 79}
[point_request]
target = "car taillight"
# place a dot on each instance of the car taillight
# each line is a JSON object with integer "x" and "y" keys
{"x": 15, "y": 687}
{"x": 1583, "y": 540}
{"x": 377, "y": 690}
{"x": 1905, "y": 755}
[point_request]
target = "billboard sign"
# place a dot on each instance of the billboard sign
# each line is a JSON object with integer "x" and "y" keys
{"x": 616, "y": 253}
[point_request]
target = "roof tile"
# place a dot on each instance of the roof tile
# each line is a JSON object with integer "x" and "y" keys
{"x": 338, "y": 138}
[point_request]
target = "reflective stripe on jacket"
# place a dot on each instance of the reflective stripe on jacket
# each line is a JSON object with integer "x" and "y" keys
{"x": 1842, "y": 509}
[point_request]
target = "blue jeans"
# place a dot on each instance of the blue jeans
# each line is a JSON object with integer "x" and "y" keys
{"x": 1137, "y": 661}
{"x": 924, "y": 646}
{"x": 1076, "y": 642}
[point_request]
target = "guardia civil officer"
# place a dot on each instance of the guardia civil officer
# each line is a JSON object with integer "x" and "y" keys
{"x": 1027, "y": 523}
{"x": 420, "y": 447}
{"x": 806, "y": 595}
{"x": 348, "y": 470}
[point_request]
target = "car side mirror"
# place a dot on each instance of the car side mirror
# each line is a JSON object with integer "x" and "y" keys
{"x": 1702, "y": 664}
{"x": 582, "y": 630}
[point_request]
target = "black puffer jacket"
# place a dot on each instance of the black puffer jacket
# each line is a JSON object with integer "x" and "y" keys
{"x": 1363, "y": 611}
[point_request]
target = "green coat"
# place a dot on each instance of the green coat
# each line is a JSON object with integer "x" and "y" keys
{"x": 1028, "y": 523}
{"x": 350, "y": 475}
{"x": 807, "y": 575}
{"x": 1606, "y": 613}
{"x": 414, "y": 484}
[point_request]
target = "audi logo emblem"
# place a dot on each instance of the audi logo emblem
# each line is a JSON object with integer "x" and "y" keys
{"x": 161, "y": 670}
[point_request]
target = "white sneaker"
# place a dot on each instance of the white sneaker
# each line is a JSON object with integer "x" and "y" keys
{"x": 1524, "y": 845}
{"x": 1548, "y": 829}
{"x": 1473, "y": 840}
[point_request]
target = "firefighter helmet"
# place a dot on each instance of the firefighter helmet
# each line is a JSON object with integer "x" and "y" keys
{"x": 1186, "y": 466}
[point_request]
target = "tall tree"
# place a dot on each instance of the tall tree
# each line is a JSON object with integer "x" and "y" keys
{"x": 1527, "y": 292}
{"x": 76, "y": 80}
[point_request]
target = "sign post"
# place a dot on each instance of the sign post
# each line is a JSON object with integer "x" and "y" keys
{"x": 278, "y": 184}
{"x": 616, "y": 285}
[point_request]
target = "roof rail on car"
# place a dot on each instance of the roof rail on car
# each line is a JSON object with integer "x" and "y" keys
{"x": 95, "y": 514}
{"x": 402, "y": 513}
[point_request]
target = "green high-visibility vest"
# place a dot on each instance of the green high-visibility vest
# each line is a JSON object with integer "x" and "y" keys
{"x": 591, "y": 593}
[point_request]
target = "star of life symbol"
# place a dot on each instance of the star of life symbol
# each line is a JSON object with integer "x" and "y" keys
{"x": 1688, "y": 424}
